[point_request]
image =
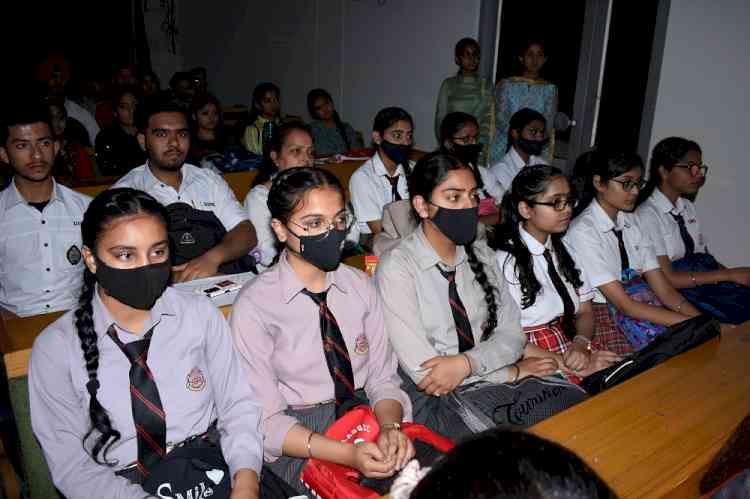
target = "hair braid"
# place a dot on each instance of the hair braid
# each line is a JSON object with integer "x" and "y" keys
{"x": 489, "y": 292}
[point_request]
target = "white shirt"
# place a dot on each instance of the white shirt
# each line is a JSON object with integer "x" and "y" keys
{"x": 371, "y": 191}
{"x": 548, "y": 305}
{"x": 493, "y": 187}
{"x": 507, "y": 168}
{"x": 202, "y": 189}
{"x": 41, "y": 267}
{"x": 590, "y": 234}
{"x": 88, "y": 121}
{"x": 659, "y": 225}
{"x": 256, "y": 205}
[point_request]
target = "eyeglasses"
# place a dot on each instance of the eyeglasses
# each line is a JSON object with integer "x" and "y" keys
{"x": 558, "y": 204}
{"x": 468, "y": 139}
{"x": 695, "y": 168}
{"x": 317, "y": 226}
{"x": 535, "y": 131}
{"x": 627, "y": 185}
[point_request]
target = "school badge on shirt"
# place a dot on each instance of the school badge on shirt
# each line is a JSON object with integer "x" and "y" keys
{"x": 196, "y": 381}
{"x": 361, "y": 345}
{"x": 73, "y": 255}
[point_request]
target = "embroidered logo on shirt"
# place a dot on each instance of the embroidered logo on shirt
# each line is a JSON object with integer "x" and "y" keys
{"x": 187, "y": 238}
{"x": 361, "y": 345}
{"x": 73, "y": 255}
{"x": 195, "y": 380}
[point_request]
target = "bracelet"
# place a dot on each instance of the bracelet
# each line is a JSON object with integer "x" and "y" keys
{"x": 518, "y": 373}
{"x": 586, "y": 341}
{"x": 692, "y": 278}
{"x": 468, "y": 363}
{"x": 679, "y": 305}
{"x": 309, "y": 447}
{"x": 394, "y": 425}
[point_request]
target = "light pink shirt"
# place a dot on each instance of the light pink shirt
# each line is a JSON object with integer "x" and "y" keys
{"x": 276, "y": 329}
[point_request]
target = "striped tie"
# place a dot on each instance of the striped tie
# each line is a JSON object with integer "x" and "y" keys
{"x": 148, "y": 414}
{"x": 460, "y": 317}
{"x": 337, "y": 356}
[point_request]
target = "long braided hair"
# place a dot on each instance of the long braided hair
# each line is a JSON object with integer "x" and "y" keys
{"x": 103, "y": 210}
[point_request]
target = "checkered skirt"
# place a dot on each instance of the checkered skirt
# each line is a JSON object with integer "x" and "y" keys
{"x": 551, "y": 337}
{"x": 607, "y": 336}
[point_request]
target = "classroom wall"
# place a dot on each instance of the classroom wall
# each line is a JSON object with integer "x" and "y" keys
{"x": 703, "y": 95}
{"x": 368, "y": 53}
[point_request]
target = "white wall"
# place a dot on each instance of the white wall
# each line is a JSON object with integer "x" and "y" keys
{"x": 703, "y": 96}
{"x": 366, "y": 54}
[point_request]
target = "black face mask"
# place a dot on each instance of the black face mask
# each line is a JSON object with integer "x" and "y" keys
{"x": 139, "y": 287}
{"x": 458, "y": 225}
{"x": 468, "y": 154}
{"x": 322, "y": 252}
{"x": 532, "y": 147}
{"x": 398, "y": 153}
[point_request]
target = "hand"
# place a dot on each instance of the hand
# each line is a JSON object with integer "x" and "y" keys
{"x": 577, "y": 357}
{"x": 205, "y": 265}
{"x": 245, "y": 485}
{"x": 394, "y": 444}
{"x": 446, "y": 373}
{"x": 601, "y": 359}
{"x": 537, "y": 366}
{"x": 740, "y": 275}
{"x": 371, "y": 462}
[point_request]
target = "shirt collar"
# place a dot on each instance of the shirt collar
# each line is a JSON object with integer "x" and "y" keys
{"x": 103, "y": 319}
{"x": 427, "y": 256}
{"x": 150, "y": 180}
{"x": 516, "y": 158}
{"x": 379, "y": 167}
{"x": 602, "y": 220}
{"x": 535, "y": 247}
{"x": 292, "y": 285}
{"x": 13, "y": 197}
{"x": 664, "y": 205}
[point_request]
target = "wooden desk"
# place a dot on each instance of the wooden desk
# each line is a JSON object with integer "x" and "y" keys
{"x": 656, "y": 434}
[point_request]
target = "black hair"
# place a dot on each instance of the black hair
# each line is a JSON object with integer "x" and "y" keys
{"x": 386, "y": 118}
{"x": 531, "y": 182}
{"x": 499, "y": 464}
{"x": 520, "y": 119}
{"x": 201, "y": 101}
{"x": 198, "y": 71}
{"x": 178, "y": 77}
{"x": 606, "y": 163}
{"x": 667, "y": 153}
{"x": 452, "y": 124}
{"x": 268, "y": 168}
{"x": 528, "y": 42}
{"x": 259, "y": 91}
{"x": 317, "y": 93}
{"x": 106, "y": 207}
{"x": 463, "y": 43}
{"x": 154, "y": 106}
{"x": 24, "y": 112}
{"x": 430, "y": 171}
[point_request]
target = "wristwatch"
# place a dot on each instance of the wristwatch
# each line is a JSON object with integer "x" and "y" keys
{"x": 393, "y": 425}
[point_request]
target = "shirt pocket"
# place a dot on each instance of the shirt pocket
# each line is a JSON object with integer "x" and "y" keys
{"x": 21, "y": 253}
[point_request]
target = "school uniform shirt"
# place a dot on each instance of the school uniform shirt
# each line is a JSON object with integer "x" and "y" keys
{"x": 371, "y": 191}
{"x": 592, "y": 238}
{"x": 418, "y": 316}
{"x": 655, "y": 215}
{"x": 87, "y": 119}
{"x": 507, "y": 168}
{"x": 276, "y": 331}
{"x": 548, "y": 305}
{"x": 41, "y": 267}
{"x": 492, "y": 185}
{"x": 197, "y": 372}
{"x": 256, "y": 206}
{"x": 201, "y": 188}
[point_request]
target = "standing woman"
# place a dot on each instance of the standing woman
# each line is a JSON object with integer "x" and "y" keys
{"x": 469, "y": 93}
{"x": 331, "y": 135}
{"x": 117, "y": 147}
{"x": 528, "y": 89}
{"x": 265, "y": 114}
{"x": 613, "y": 250}
{"x": 82, "y": 383}
{"x": 671, "y": 222}
{"x": 291, "y": 146}
{"x": 308, "y": 376}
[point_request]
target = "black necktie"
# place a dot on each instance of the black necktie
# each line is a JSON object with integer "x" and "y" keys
{"x": 569, "y": 308}
{"x": 624, "y": 260}
{"x": 394, "y": 187}
{"x": 148, "y": 414}
{"x": 687, "y": 240}
{"x": 337, "y": 356}
{"x": 460, "y": 318}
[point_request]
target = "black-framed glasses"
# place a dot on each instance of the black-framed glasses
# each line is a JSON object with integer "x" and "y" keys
{"x": 694, "y": 168}
{"x": 558, "y": 204}
{"x": 317, "y": 226}
{"x": 627, "y": 185}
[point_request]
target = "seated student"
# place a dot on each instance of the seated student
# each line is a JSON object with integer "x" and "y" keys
{"x": 448, "y": 312}
{"x": 117, "y": 147}
{"x": 526, "y": 141}
{"x": 209, "y": 136}
{"x": 671, "y": 222}
{"x": 264, "y": 115}
{"x": 542, "y": 272}
{"x": 331, "y": 135}
{"x": 82, "y": 382}
{"x": 382, "y": 178}
{"x": 40, "y": 240}
{"x": 150, "y": 84}
{"x": 209, "y": 230}
{"x": 612, "y": 249}
{"x": 291, "y": 146}
{"x": 72, "y": 160}
{"x": 182, "y": 89}
{"x": 305, "y": 383}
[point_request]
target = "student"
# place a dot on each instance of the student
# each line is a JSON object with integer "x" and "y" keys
{"x": 200, "y": 201}
{"x": 331, "y": 135}
{"x": 613, "y": 250}
{"x": 291, "y": 146}
{"x": 671, "y": 222}
{"x": 72, "y": 160}
{"x": 469, "y": 93}
{"x": 40, "y": 240}
{"x": 529, "y": 90}
{"x": 448, "y": 311}
{"x": 273, "y": 322}
{"x": 382, "y": 178}
{"x": 543, "y": 276}
{"x": 117, "y": 147}
{"x": 265, "y": 113}
{"x": 182, "y": 89}
{"x": 82, "y": 383}
{"x": 208, "y": 136}
{"x": 526, "y": 140}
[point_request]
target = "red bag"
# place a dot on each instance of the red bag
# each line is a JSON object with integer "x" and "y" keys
{"x": 335, "y": 481}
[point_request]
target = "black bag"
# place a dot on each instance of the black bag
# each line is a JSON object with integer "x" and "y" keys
{"x": 192, "y": 232}
{"x": 677, "y": 339}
